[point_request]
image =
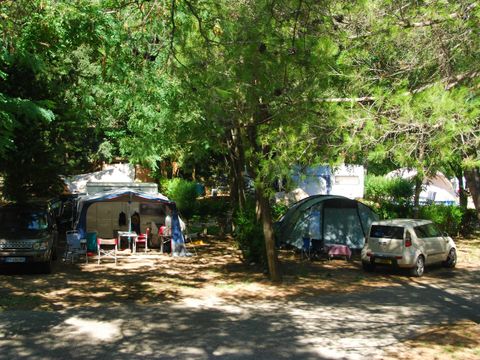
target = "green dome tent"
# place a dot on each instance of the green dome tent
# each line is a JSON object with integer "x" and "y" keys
{"x": 333, "y": 219}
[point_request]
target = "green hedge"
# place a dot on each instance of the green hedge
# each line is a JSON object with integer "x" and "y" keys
{"x": 184, "y": 193}
{"x": 448, "y": 218}
{"x": 380, "y": 189}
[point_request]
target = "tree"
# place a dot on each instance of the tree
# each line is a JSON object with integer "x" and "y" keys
{"x": 418, "y": 78}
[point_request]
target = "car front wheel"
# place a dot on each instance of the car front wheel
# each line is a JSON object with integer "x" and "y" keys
{"x": 451, "y": 259}
{"x": 419, "y": 267}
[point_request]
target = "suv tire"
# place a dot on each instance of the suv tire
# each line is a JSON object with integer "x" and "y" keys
{"x": 419, "y": 267}
{"x": 451, "y": 259}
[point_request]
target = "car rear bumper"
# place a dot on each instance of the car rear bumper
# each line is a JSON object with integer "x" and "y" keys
{"x": 388, "y": 260}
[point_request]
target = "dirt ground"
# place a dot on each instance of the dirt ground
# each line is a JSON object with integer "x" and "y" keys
{"x": 216, "y": 273}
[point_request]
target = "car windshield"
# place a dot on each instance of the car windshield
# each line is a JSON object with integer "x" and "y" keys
{"x": 389, "y": 232}
{"x": 14, "y": 220}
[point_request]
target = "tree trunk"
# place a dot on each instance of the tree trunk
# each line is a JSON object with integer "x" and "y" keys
{"x": 265, "y": 214}
{"x": 462, "y": 193}
{"x": 236, "y": 161}
{"x": 473, "y": 184}
{"x": 263, "y": 210}
{"x": 416, "y": 198}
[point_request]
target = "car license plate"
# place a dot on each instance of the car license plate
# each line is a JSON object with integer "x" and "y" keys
{"x": 15, "y": 260}
{"x": 383, "y": 261}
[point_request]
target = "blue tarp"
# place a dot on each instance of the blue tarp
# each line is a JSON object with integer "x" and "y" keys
{"x": 129, "y": 195}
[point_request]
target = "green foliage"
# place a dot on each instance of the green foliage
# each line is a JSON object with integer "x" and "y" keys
{"x": 278, "y": 210}
{"x": 249, "y": 236}
{"x": 448, "y": 218}
{"x": 381, "y": 189}
{"x": 213, "y": 207}
{"x": 389, "y": 210}
{"x": 184, "y": 194}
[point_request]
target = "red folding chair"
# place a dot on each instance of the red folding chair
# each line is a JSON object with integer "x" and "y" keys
{"x": 141, "y": 239}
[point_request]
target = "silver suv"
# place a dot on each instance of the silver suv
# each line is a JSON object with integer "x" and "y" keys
{"x": 28, "y": 234}
{"x": 407, "y": 243}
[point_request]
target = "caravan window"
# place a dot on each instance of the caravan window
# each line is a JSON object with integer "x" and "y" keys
{"x": 347, "y": 180}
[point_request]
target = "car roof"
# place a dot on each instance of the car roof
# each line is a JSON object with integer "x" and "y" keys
{"x": 402, "y": 222}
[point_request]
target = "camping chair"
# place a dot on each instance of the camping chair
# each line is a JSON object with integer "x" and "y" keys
{"x": 165, "y": 238}
{"x": 108, "y": 248}
{"x": 306, "y": 251}
{"x": 141, "y": 239}
{"x": 75, "y": 247}
{"x": 318, "y": 248}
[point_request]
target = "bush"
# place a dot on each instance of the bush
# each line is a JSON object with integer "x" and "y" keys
{"x": 381, "y": 189}
{"x": 184, "y": 194}
{"x": 214, "y": 207}
{"x": 249, "y": 236}
{"x": 448, "y": 218}
{"x": 389, "y": 210}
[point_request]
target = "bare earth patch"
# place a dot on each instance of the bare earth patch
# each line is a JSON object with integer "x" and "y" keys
{"x": 453, "y": 341}
{"x": 216, "y": 275}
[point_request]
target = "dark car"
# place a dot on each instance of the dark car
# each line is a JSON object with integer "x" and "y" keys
{"x": 28, "y": 234}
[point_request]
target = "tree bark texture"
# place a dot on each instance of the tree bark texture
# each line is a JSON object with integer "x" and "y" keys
{"x": 265, "y": 214}
{"x": 473, "y": 183}
{"x": 416, "y": 198}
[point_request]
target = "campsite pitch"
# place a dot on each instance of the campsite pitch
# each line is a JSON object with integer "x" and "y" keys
{"x": 214, "y": 306}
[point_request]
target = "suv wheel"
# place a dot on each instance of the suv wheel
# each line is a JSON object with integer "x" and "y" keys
{"x": 419, "y": 267}
{"x": 451, "y": 259}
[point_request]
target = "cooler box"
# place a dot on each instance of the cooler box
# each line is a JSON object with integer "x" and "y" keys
{"x": 91, "y": 241}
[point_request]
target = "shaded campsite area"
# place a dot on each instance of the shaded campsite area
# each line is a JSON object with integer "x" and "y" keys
{"x": 156, "y": 302}
{"x": 215, "y": 271}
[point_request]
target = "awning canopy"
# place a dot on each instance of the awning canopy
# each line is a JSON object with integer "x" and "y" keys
{"x": 126, "y": 195}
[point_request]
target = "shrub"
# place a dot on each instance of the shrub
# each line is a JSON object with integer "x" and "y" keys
{"x": 217, "y": 209}
{"x": 389, "y": 210}
{"x": 381, "y": 189}
{"x": 184, "y": 194}
{"x": 249, "y": 236}
{"x": 448, "y": 218}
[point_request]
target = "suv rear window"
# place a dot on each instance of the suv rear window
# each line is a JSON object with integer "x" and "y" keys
{"x": 385, "y": 231}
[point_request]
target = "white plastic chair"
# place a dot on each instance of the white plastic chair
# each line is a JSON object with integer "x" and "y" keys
{"x": 107, "y": 248}
{"x": 75, "y": 247}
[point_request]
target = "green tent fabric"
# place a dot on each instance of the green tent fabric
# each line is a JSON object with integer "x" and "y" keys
{"x": 333, "y": 219}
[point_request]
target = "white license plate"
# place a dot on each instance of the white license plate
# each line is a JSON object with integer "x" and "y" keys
{"x": 15, "y": 260}
{"x": 383, "y": 261}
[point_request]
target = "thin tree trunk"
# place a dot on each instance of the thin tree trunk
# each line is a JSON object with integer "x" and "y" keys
{"x": 416, "y": 198}
{"x": 263, "y": 210}
{"x": 266, "y": 217}
{"x": 473, "y": 183}
{"x": 462, "y": 193}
